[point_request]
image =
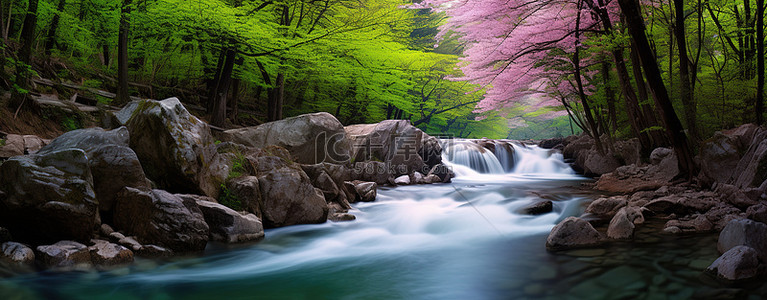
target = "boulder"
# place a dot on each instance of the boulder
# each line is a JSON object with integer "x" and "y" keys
{"x": 572, "y": 233}
{"x": 538, "y": 208}
{"x": 248, "y": 191}
{"x": 551, "y": 143}
{"x": 694, "y": 223}
{"x": 738, "y": 263}
{"x": 176, "y": 149}
{"x": 395, "y": 142}
{"x": 629, "y": 179}
{"x": 596, "y": 164}
{"x": 12, "y": 145}
{"x": 402, "y": 180}
{"x": 621, "y": 227}
{"x": 665, "y": 165}
{"x": 363, "y": 191}
{"x": 431, "y": 150}
{"x": 751, "y": 171}
{"x": 374, "y": 171}
{"x": 578, "y": 144}
{"x": 606, "y": 207}
{"x": 229, "y": 226}
{"x": 113, "y": 164}
{"x": 290, "y": 198}
{"x": 33, "y": 143}
{"x": 629, "y": 152}
{"x": 722, "y": 213}
{"x": 48, "y": 197}
{"x": 431, "y": 179}
{"x": 683, "y": 204}
{"x": 744, "y": 232}
{"x": 720, "y": 154}
{"x": 158, "y": 217}
{"x": 17, "y": 253}
{"x": 310, "y": 138}
{"x": 758, "y": 212}
{"x": 734, "y": 196}
{"x": 417, "y": 178}
{"x": 106, "y": 254}
{"x": 64, "y": 255}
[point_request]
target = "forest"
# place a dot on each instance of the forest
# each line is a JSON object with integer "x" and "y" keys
{"x": 497, "y": 69}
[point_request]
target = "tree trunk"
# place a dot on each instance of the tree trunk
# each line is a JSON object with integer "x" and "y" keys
{"x": 579, "y": 81}
{"x": 215, "y": 83}
{"x": 688, "y": 101}
{"x": 51, "y": 39}
{"x": 276, "y": 97}
{"x": 759, "y": 105}
{"x": 105, "y": 52}
{"x": 609, "y": 95}
{"x": 218, "y": 114}
{"x": 650, "y": 119}
{"x": 25, "y": 53}
{"x": 123, "y": 95}
{"x": 233, "y": 104}
{"x": 674, "y": 128}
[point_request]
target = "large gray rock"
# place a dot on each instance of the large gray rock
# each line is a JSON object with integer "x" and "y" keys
{"x": 396, "y": 142}
{"x": 113, "y": 164}
{"x": 160, "y": 218}
{"x": 573, "y": 233}
{"x": 48, "y": 197}
{"x": 751, "y": 171}
{"x": 683, "y": 204}
{"x": 363, "y": 191}
{"x": 665, "y": 165}
{"x": 290, "y": 198}
{"x": 744, "y": 232}
{"x": 597, "y": 164}
{"x": 12, "y": 145}
{"x": 719, "y": 156}
{"x": 64, "y": 255}
{"x": 248, "y": 191}
{"x": 106, "y": 254}
{"x": 621, "y": 226}
{"x": 374, "y": 171}
{"x": 310, "y": 138}
{"x": 738, "y": 263}
{"x": 227, "y": 225}
{"x": 176, "y": 149}
{"x": 17, "y": 253}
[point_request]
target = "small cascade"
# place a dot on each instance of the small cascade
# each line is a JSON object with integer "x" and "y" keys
{"x": 470, "y": 154}
{"x": 472, "y": 157}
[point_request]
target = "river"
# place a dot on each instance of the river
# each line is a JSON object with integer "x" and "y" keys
{"x": 463, "y": 240}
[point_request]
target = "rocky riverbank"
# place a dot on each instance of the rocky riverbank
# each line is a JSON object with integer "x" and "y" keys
{"x": 158, "y": 182}
{"x": 727, "y": 196}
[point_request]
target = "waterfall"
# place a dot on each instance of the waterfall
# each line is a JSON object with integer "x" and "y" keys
{"x": 473, "y": 157}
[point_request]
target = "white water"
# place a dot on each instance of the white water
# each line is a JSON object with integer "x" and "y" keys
{"x": 469, "y": 159}
{"x": 444, "y": 241}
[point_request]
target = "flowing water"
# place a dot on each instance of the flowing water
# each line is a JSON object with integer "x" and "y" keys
{"x": 464, "y": 240}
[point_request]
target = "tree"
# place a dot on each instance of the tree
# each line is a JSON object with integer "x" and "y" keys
{"x": 23, "y": 69}
{"x": 123, "y": 94}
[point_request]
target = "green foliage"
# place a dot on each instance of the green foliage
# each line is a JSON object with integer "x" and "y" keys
{"x": 229, "y": 199}
{"x": 2, "y": 142}
{"x": 238, "y": 166}
{"x": 69, "y": 123}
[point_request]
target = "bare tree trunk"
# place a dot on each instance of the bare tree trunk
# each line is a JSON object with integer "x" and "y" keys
{"x": 218, "y": 115}
{"x": 579, "y": 81}
{"x": 610, "y": 95}
{"x": 759, "y": 106}
{"x": 674, "y": 127}
{"x": 50, "y": 40}
{"x": 688, "y": 100}
{"x": 123, "y": 95}
{"x": 276, "y": 97}
{"x": 233, "y": 104}
{"x": 25, "y": 53}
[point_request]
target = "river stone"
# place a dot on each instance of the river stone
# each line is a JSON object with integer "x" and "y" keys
{"x": 442, "y": 171}
{"x": 572, "y": 233}
{"x": 402, "y": 180}
{"x": 607, "y": 207}
{"x": 48, "y": 197}
{"x": 757, "y": 212}
{"x": 363, "y": 191}
{"x": 64, "y": 255}
{"x": 395, "y": 142}
{"x": 229, "y": 226}
{"x": 538, "y": 208}
{"x": 290, "y": 198}
{"x": 744, "y": 232}
{"x": 374, "y": 171}
{"x": 106, "y": 254}
{"x": 17, "y": 253}
{"x": 738, "y": 263}
{"x": 621, "y": 227}
{"x": 176, "y": 149}
{"x": 158, "y": 217}
{"x": 310, "y": 138}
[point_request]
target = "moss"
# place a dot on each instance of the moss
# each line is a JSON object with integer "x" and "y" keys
{"x": 238, "y": 166}
{"x": 229, "y": 199}
{"x": 2, "y": 142}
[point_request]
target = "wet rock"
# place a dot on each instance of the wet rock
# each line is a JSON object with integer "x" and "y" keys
{"x": 374, "y": 171}
{"x": 431, "y": 179}
{"x": 48, "y": 197}
{"x": 672, "y": 230}
{"x": 695, "y": 223}
{"x": 722, "y": 213}
{"x": 310, "y": 138}
{"x": 290, "y": 198}
{"x": 362, "y": 191}
{"x": 106, "y": 254}
{"x": 738, "y": 263}
{"x": 154, "y": 251}
{"x": 443, "y": 172}
{"x": 417, "y": 178}
{"x": 551, "y": 143}
{"x": 606, "y": 207}
{"x": 572, "y": 233}
{"x": 161, "y": 218}
{"x": 628, "y": 179}
{"x": 17, "y": 253}
{"x": 402, "y": 180}
{"x": 757, "y": 212}
{"x": 538, "y": 208}
{"x": 130, "y": 242}
{"x": 106, "y": 230}
{"x": 683, "y": 204}
{"x": 744, "y": 232}
{"x": 64, "y": 255}
{"x": 229, "y": 226}
{"x": 248, "y": 191}
{"x": 176, "y": 149}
